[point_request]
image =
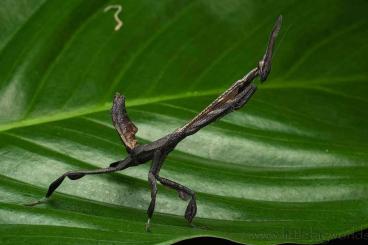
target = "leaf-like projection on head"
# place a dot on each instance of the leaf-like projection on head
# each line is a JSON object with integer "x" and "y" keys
{"x": 123, "y": 124}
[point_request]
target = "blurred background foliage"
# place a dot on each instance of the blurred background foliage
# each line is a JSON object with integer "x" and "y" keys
{"x": 291, "y": 166}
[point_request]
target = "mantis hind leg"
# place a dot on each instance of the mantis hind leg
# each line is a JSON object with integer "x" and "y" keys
{"x": 74, "y": 175}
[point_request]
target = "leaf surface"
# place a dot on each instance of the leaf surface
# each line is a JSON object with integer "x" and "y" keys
{"x": 291, "y": 166}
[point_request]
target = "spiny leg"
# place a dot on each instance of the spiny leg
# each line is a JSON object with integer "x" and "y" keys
{"x": 74, "y": 175}
{"x": 184, "y": 193}
{"x": 265, "y": 64}
{"x": 157, "y": 161}
{"x": 245, "y": 96}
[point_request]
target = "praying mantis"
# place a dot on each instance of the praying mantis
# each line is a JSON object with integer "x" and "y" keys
{"x": 231, "y": 100}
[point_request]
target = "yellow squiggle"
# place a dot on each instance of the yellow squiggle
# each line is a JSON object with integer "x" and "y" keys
{"x": 118, "y": 8}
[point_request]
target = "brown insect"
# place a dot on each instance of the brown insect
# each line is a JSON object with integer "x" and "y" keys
{"x": 232, "y": 99}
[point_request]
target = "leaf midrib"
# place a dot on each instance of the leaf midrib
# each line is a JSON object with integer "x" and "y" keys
{"x": 99, "y": 108}
{"x": 82, "y": 111}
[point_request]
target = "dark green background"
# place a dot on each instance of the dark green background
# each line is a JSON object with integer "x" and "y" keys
{"x": 292, "y": 166}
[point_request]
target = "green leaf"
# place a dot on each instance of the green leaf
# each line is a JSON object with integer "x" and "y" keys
{"x": 292, "y": 166}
